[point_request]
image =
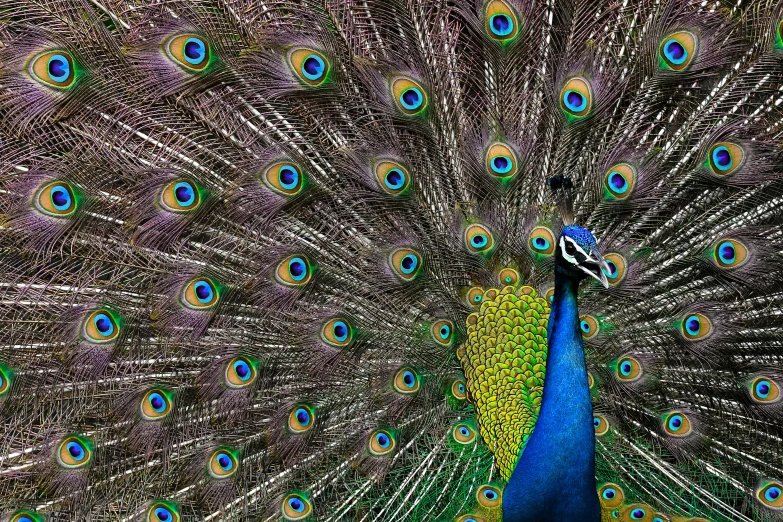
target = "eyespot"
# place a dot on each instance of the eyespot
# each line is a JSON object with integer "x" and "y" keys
{"x": 488, "y": 496}
{"x": 730, "y": 253}
{"x": 629, "y": 369}
{"x": 406, "y": 263}
{"x": 619, "y": 180}
{"x": 459, "y": 390}
{"x": 56, "y": 199}
{"x": 442, "y": 331}
{"x": 463, "y": 433}
{"x": 337, "y": 332}
{"x": 696, "y": 327}
{"x": 301, "y": 419}
{"x": 381, "y": 442}
{"x": 284, "y": 177}
{"x": 100, "y": 327}
{"x": 678, "y": 50}
{"x": 180, "y": 195}
{"x": 637, "y": 512}
{"x": 163, "y": 512}
{"x": 309, "y": 65}
{"x": 222, "y": 464}
{"x": 240, "y": 372}
{"x": 296, "y": 507}
{"x": 764, "y": 389}
{"x": 600, "y": 424}
{"x": 677, "y": 424}
{"x": 771, "y": 495}
{"x": 469, "y": 518}
{"x": 406, "y": 381}
{"x": 294, "y": 271}
{"x": 200, "y": 293}
{"x": 409, "y": 95}
{"x": 501, "y": 22}
{"x": 576, "y": 98}
{"x": 74, "y": 452}
{"x": 475, "y": 296}
{"x": 611, "y": 495}
{"x": 508, "y": 277}
{"x": 549, "y": 295}
{"x": 155, "y": 405}
{"x": 542, "y": 241}
{"x": 54, "y": 69}
{"x": 589, "y": 326}
{"x": 392, "y": 177}
{"x": 501, "y": 161}
{"x": 25, "y": 516}
{"x": 724, "y": 158}
{"x": 189, "y": 51}
{"x": 616, "y": 513}
{"x": 617, "y": 267}
{"x": 479, "y": 239}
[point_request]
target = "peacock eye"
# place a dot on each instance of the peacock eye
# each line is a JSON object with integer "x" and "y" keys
{"x": 56, "y": 199}
{"x": 73, "y": 453}
{"x": 463, "y": 433}
{"x": 600, "y": 425}
{"x": 508, "y": 276}
{"x": 406, "y": 381}
{"x": 393, "y": 178}
{"x": 616, "y": 268}
{"x": 458, "y": 389}
{"x": 25, "y": 516}
{"x": 542, "y": 241}
{"x": 730, "y": 253}
{"x": 240, "y": 373}
{"x": 294, "y": 271}
{"x": 478, "y": 239}
{"x": 284, "y": 178}
{"x": 678, "y": 50}
{"x": 222, "y": 464}
{"x": 162, "y": 512}
{"x": 296, "y": 507}
{"x": 301, "y": 419}
{"x": 54, "y": 69}
{"x": 724, "y": 158}
{"x": 677, "y": 424}
{"x": 501, "y": 22}
{"x": 155, "y": 405}
{"x": 309, "y": 65}
{"x": 764, "y": 389}
{"x": 696, "y": 327}
{"x": 488, "y": 496}
{"x": 611, "y": 495}
{"x": 337, "y": 332}
{"x": 200, "y": 294}
{"x": 771, "y": 495}
{"x": 636, "y": 512}
{"x": 501, "y": 161}
{"x": 629, "y": 369}
{"x": 576, "y": 98}
{"x": 189, "y": 51}
{"x": 180, "y": 195}
{"x": 405, "y": 263}
{"x": 100, "y": 326}
{"x": 381, "y": 442}
{"x": 409, "y": 95}
{"x": 475, "y": 296}
{"x": 589, "y": 326}
{"x": 442, "y": 331}
{"x": 619, "y": 180}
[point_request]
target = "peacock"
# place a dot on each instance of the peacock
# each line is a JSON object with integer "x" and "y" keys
{"x": 391, "y": 260}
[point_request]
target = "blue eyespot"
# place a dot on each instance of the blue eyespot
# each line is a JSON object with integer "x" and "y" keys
{"x": 75, "y": 450}
{"x": 61, "y": 198}
{"x": 638, "y": 514}
{"x": 296, "y": 504}
{"x": 772, "y": 493}
{"x": 225, "y": 462}
{"x": 104, "y": 325}
{"x": 616, "y": 513}
{"x": 461, "y": 388}
{"x": 585, "y": 326}
{"x": 408, "y": 379}
{"x": 444, "y": 332}
{"x": 340, "y": 331}
{"x": 195, "y": 51}
{"x": 675, "y": 422}
{"x": 297, "y": 268}
{"x": 727, "y": 252}
{"x": 762, "y": 389}
{"x": 58, "y": 68}
{"x": 490, "y": 495}
{"x": 675, "y": 52}
{"x": 204, "y": 292}
{"x": 184, "y": 193}
{"x": 313, "y": 67}
{"x": 411, "y": 98}
{"x": 409, "y": 263}
{"x": 574, "y": 101}
{"x": 693, "y": 325}
{"x": 540, "y": 243}
{"x": 501, "y": 164}
{"x": 394, "y": 179}
{"x": 596, "y": 422}
{"x": 242, "y": 369}
{"x": 721, "y": 158}
{"x": 625, "y": 368}
{"x": 477, "y": 298}
{"x": 289, "y": 177}
{"x": 658, "y": 519}
{"x": 157, "y": 402}
{"x": 163, "y": 514}
{"x": 479, "y": 240}
{"x": 303, "y": 416}
{"x": 617, "y": 182}
{"x": 609, "y": 493}
{"x": 613, "y": 272}
{"x": 501, "y": 24}
{"x": 383, "y": 440}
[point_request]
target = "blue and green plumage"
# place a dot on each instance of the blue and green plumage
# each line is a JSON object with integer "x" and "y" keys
{"x": 299, "y": 260}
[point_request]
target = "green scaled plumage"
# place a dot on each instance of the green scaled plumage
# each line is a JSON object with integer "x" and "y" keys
{"x": 294, "y": 260}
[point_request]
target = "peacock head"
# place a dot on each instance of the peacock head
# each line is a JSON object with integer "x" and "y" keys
{"x": 577, "y": 255}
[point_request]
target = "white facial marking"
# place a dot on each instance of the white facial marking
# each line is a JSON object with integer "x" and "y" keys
{"x": 569, "y": 258}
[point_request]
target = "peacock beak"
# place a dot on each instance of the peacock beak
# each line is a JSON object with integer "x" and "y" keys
{"x": 595, "y": 266}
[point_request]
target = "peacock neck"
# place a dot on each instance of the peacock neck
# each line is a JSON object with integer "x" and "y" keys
{"x": 555, "y": 475}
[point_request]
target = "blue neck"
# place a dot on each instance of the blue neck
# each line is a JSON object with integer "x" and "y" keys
{"x": 555, "y": 475}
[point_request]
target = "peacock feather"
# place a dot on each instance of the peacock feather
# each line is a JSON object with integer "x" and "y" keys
{"x": 380, "y": 260}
